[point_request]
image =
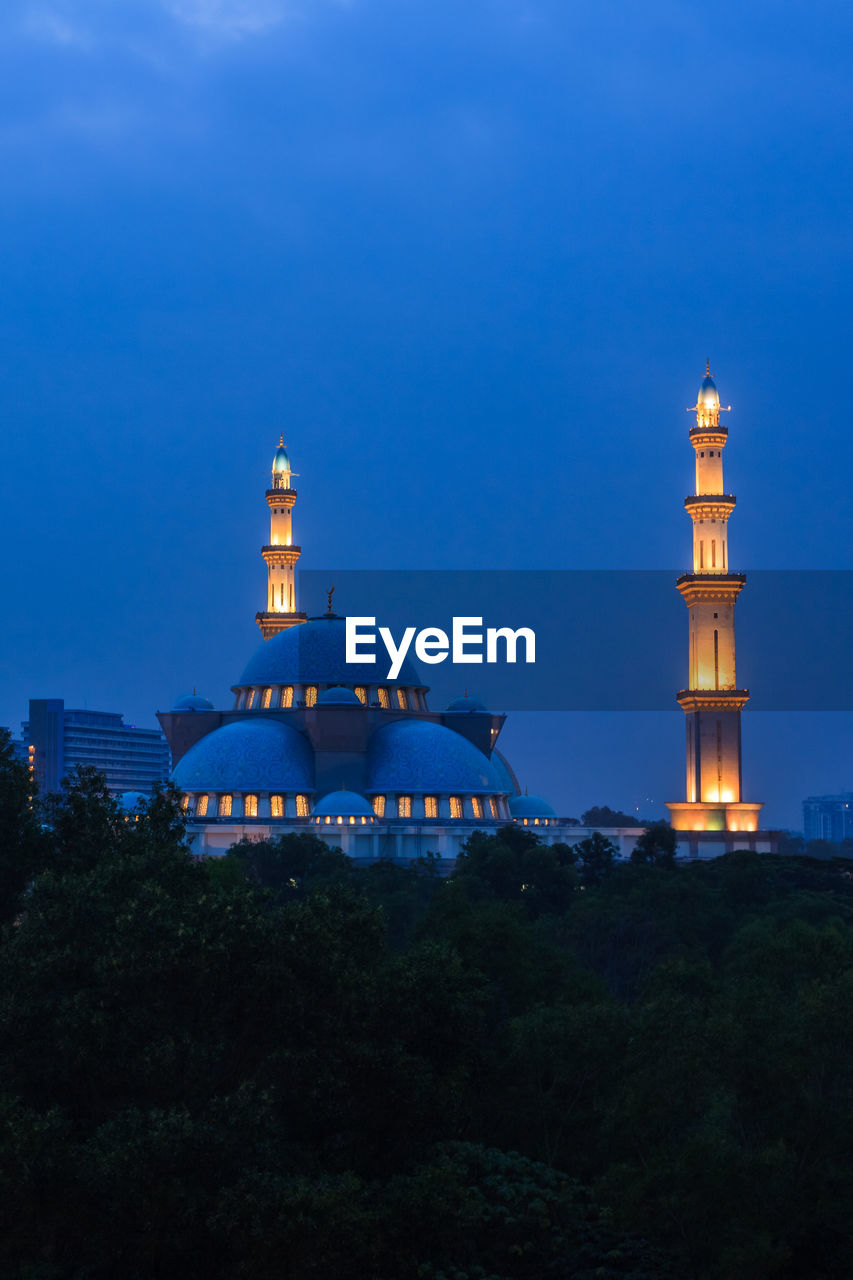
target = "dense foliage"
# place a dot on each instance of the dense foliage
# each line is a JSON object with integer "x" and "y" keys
{"x": 276, "y": 1064}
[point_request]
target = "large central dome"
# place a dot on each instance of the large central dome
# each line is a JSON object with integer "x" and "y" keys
{"x": 314, "y": 653}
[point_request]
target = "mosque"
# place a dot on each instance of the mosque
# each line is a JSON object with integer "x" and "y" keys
{"x": 312, "y": 743}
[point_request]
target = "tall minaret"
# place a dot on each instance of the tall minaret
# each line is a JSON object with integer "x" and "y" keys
{"x": 280, "y": 555}
{"x": 712, "y": 702}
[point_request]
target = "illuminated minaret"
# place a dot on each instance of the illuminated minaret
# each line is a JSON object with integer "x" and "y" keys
{"x": 712, "y": 702}
{"x": 281, "y": 554}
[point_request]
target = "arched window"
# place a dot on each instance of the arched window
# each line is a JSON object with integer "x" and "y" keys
{"x": 384, "y": 699}
{"x": 402, "y": 700}
{"x": 361, "y": 693}
{"x": 225, "y": 806}
{"x": 456, "y": 807}
{"x": 430, "y": 806}
{"x": 287, "y": 696}
{"x": 477, "y": 806}
{"x": 311, "y": 695}
{"x": 404, "y": 806}
{"x": 379, "y": 806}
{"x": 250, "y": 701}
{"x": 493, "y": 807}
{"x": 250, "y": 807}
{"x": 185, "y": 803}
{"x": 277, "y": 806}
{"x": 266, "y": 699}
{"x": 302, "y": 806}
{"x": 201, "y": 807}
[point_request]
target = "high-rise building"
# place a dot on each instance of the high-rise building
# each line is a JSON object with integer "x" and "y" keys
{"x": 712, "y": 702}
{"x": 280, "y": 554}
{"x": 59, "y": 739}
{"x": 828, "y": 817}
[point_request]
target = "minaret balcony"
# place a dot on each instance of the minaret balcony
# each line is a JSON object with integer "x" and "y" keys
{"x": 277, "y": 497}
{"x": 710, "y": 506}
{"x": 712, "y": 699}
{"x": 711, "y": 436}
{"x": 698, "y": 588}
{"x": 278, "y": 555}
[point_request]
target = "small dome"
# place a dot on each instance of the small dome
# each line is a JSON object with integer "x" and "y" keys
{"x": 280, "y": 462}
{"x": 192, "y": 702}
{"x": 465, "y": 704}
{"x": 315, "y": 653}
{"x": 338, "y": 696}
{"x": 530, "y": 807}
{"x": 419, "y": 756}
{"x": 343, "y": 804}
{"x": 248, "y": 755}
{"x": 504, "y": 774}
{"x": 708, "y": 393}
{"x": 129, "y": 800}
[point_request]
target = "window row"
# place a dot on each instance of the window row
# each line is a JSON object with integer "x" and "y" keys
{"x": 403, "y": 806}
{"x": 221, "y": 804}
{"x": 306, "y": 695}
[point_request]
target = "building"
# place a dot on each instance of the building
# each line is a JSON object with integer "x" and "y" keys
{"x": 59, "y": 739}
{"x": 828, "y": 817}
{"x": 312, "y": 743}
{"x": 712, "y": 702}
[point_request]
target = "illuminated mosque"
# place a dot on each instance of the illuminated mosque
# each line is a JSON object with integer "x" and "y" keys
{"x": 312, "y": 743}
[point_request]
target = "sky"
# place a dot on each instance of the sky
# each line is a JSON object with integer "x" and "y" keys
{"x": 471, "y": 260}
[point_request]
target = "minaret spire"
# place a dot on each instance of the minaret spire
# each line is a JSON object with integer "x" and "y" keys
{"x": 712, "y": 702}
{"x": 280, "y": 554}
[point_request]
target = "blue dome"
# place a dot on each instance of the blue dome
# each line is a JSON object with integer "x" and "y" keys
{"x": 418, "y": 756}
{"x": 530, "y": 807}
{"x": 465, "y": 704}
{"x": 314, "y": 653}
{"x": 343, "y": 804}
{"x": 338, "y": 696}
{"x": 708, "y": 393}
{"x": 191, "y": 702}
{"x": 248, "y": 755}
{"x": 504, "y": 774}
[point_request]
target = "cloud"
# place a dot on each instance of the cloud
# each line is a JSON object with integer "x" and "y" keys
{"x": 54, "y": 28}
{"x": 228, "y": 17}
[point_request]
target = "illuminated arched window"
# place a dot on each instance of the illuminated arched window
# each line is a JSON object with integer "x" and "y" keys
{"x": 201, "y": 807}
{"x": 287, "y": 696}
{"x": 402, "y": 700}
{"x": 250, "y": 807}
{"x": 185, "y": 803}
{"x": 384, "y": 699}
{"x": 456, "y": 807}
{"x": 477, "y": 806}
{"x": 361, "y": 693}
{"x": 311, "y": 695}
{"x": 277, "y": 806}
{"x": 404, "y": 806}
{"x": 379, "y": 806}
{"x": 266, "y": 699}
{"x": 430, "y": 806}
{"x": 250, "y": 701}
{"x": 493, "y": 807}
{"x": 225, "y": 806}
{"x": 302, "y": 806}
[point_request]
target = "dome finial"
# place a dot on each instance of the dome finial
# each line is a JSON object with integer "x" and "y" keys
{"x": 281, "y": 440}
{"x": 707, "y": 368}
{"x": 330, "y": 613}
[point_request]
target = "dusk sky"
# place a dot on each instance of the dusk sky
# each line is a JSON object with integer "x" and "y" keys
{"x": 470, "y": 259}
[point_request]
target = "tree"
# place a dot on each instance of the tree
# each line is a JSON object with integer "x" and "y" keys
{"x": 601, "y": 815}
{"x": 597, "y": 855}
{"x": 22, "y": 846}
{"x": 656, "y": 846}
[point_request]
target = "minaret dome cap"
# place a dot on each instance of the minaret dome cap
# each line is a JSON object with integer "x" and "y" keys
{"x": 708, "y": 396}
{"x": 280, "y": 462}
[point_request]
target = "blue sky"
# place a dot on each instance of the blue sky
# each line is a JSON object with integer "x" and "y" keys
{"x": 470, "y": 259}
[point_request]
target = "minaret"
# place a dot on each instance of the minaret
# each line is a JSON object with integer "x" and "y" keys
{"x": 280, "y": 555}
{"x": 712, "y": 702}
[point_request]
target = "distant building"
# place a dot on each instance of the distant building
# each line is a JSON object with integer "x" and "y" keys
{"x": 60, "y": 739}
{"x": 828, "y": 817}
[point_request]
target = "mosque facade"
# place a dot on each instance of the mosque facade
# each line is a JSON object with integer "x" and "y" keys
{"x": 312, "y": 743}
